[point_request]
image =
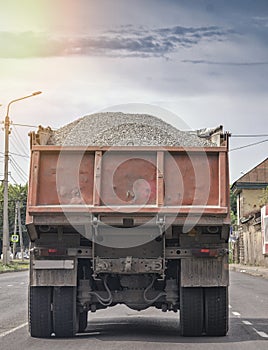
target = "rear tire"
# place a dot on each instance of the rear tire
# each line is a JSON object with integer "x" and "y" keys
{"x": 82, "y": 321}
{"x": 191, "y": 312}
{"x": 216, "y": 311}
{"x": 40, "y": 315}
{"x": 64, "y": 311}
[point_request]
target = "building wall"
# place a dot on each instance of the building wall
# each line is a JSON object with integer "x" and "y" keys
{"x": 249, "y": 201}
{"x": 248, "y": 249}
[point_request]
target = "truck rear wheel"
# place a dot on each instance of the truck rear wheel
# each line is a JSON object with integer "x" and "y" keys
{"x": 191, "y": 312}
{"x": 40, "y": 316}
{"x": 64, "y": 312}
{"x": 216, "y": 311}
{"x": 82, "y": 321}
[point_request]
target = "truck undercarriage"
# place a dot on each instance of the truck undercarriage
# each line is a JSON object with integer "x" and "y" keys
{"x": 173, "y": 270}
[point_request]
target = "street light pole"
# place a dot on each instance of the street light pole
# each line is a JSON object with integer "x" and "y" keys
{"x": 6, "y": 256}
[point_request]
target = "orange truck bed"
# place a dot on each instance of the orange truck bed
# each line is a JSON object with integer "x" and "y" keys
{"x": 138, "y": 181}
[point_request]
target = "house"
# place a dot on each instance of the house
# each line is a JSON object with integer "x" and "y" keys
{"x": 249, "y": 190}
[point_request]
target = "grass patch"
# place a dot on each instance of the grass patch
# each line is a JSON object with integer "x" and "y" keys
{"x": 14, "y": 265}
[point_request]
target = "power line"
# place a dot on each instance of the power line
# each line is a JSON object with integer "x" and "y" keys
{"x": 22, "y": 178}
{"x": 19, "y": 167}
{"x": 20, "y": 140}
{"x": 26, "y": 125}
{"x": 17, "y": 148}
{"x": 32, "y": 126}
{"x": 12, "y": 178}
{"x": 19, "y": 155}
{"x": 19, "y": 170}
{"x": 20, "y": 175}
{"x": 248, "y": 135}
{"x": 249, "y": 145}
{"x": 16, "y": 154}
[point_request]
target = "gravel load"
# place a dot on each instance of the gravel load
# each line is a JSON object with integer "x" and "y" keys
{"x": 121, "y": 129}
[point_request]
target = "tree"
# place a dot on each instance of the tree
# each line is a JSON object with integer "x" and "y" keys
{"x": 233, "y": 207}
{"x": 233, "y": 202}
{"x": 15, "y": 193}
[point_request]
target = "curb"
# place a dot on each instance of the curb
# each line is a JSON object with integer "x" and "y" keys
{"x": 20, "y": 270}
{"x": 253, "y": 271}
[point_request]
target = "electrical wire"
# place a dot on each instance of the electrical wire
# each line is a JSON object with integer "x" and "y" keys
{"x": 12, "y": 178}
{"x": 249, "y": 145}
{"x": 31, "y": 126}
{"x": 20, "y": 172}
{"x": 15, "y": 154}
{"x": 21, "y": 177}
{"x": 256, "y": 135}
{"x": 19, "y": 155}
{"x": 20, "y": 140}
{"x": 26, "y": 125}
{"x": 15, "y": 147}
{"x": 13, "y": 160}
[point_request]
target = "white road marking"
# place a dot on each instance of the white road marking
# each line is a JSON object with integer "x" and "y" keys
{"x": 22, "y": 283}
{"x": 13, "y": 330}
{"x": 10, "y": 285}
{"x": 261, "y": 334}
{"x": 247, "y": 323}
{"x": 230, "y": 307}
{"x": 86, "y": 333}
{"x": 236, "y": 313}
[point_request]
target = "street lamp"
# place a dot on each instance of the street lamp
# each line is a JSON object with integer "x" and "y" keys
{"x": 5, "y": 182}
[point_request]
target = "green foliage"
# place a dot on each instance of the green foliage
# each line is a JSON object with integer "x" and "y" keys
{"x": 233, "y": 207}
{"x": 15, "y": 193}
{"x": 233, "y": 202}
{"x": 233, "y": 218}
{"x": 15, "y": 265}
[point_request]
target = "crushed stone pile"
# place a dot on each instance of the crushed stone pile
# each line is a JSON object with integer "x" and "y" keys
{"x": 121, "y": 129}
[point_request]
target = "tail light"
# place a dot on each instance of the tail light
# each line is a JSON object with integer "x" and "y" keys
{"x": 50, "y": 251}
{"x": 205, "y": 252}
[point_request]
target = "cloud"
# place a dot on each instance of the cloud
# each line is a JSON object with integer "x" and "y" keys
{"x": 124, "y": 41}
{"x": 260, "y": 21}
{"x": 222, "y": 63}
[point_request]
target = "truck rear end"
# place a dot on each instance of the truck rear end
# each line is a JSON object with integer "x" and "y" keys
{"x": 143, "y": 226}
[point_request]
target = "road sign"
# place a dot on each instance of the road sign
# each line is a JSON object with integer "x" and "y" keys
{"x": 14, "y": 238}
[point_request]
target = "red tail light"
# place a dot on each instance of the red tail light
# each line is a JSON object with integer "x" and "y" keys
{"x": 51, "y": 252}
{"x": 205, "y": 252}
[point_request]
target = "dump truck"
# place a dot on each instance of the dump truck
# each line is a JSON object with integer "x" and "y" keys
{"x": 139, "y": 225}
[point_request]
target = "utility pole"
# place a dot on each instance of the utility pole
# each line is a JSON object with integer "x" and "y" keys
{"x": 6, "y": 240}
{"x": 20, "y": 232}
{"x": 15, "y": 229}
{"x": 6, "y": 255}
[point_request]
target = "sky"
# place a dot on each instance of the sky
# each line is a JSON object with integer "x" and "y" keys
{"x": 197, "y": 63}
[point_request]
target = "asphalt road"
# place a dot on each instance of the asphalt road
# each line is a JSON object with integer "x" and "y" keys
{"x": 121, "y": 328}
